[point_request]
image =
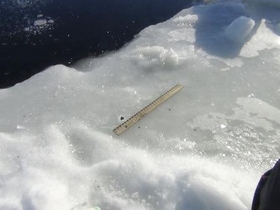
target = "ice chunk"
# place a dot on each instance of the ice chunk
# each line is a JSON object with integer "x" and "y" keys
{"x": 40, "y": 22}
{"x": 151, "y": 57}
{"x": 240, "y": 29}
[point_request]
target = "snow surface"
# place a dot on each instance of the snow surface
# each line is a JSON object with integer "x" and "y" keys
{"x": 203, "y": 149}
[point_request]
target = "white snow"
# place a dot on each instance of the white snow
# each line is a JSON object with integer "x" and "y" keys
{"x": 205, "y": 148}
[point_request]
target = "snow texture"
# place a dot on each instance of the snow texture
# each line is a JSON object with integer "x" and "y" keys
{"x": 204, "y": 149}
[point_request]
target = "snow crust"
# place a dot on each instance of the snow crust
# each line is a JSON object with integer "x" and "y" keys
{"x": 203, "y": 149}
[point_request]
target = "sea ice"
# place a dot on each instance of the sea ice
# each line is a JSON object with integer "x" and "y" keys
{"x": 205, "y": 148}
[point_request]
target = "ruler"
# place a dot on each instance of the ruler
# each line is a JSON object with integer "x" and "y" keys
{"x": 146, "y": 110}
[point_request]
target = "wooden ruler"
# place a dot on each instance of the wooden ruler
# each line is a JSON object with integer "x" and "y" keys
{"x": 146, "y": 110}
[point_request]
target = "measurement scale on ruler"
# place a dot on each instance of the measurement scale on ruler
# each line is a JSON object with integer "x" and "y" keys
{"x": 146, "y": 110}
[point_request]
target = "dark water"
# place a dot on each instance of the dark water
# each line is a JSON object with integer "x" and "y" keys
{"x": 35, "y": 34}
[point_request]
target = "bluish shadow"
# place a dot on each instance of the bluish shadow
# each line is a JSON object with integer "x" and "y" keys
{"x": 212, "y": 22}
{"x": 210, "y": 29}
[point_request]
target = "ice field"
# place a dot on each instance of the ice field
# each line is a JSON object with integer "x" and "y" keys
{"x": 203, "y": 149}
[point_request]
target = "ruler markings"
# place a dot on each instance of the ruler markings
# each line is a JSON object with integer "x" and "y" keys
{"x": 146, "y": 110}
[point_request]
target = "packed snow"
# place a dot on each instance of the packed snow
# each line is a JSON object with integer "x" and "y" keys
{"x": 205, "y": 148}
